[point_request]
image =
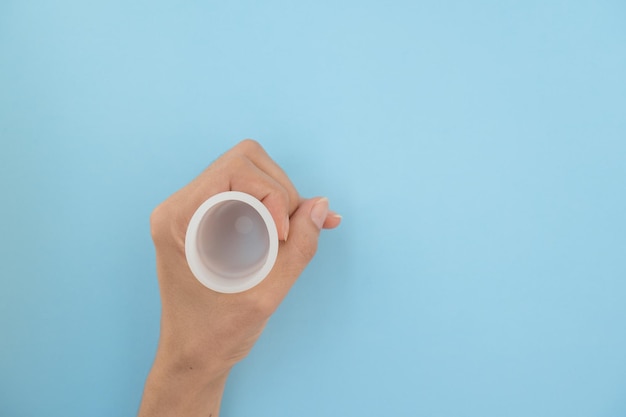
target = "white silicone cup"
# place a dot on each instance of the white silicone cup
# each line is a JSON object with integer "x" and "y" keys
{"x": 208, "y": 277}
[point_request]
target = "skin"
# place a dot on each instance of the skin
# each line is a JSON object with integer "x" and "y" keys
{"x": 205, "y": 333}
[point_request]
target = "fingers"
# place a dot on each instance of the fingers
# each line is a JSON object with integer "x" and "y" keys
{"x": 332, "y": 220}
{"x": 306, "y": 224}
{"x": 259, "y": 157}
{"x": 248, "y": 178}
{"x": 248, "y": 168}
{"x": 295, "y": 254}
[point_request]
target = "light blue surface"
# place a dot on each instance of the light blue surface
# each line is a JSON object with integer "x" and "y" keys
{"x": 477, "y": 151}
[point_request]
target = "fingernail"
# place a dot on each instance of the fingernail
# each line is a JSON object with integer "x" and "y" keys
{"x": 319, "y": 212}
{"x": 286, "y": 228}
{"x": 336, "y": 215}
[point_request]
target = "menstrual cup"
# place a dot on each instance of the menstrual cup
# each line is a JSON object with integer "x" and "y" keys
{"x": 231, "y": 243}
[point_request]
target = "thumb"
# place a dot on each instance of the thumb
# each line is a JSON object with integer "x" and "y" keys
{"x": 304, "y": 230}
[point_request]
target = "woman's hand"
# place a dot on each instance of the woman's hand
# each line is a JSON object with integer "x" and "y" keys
{"x": 204, "y": 333}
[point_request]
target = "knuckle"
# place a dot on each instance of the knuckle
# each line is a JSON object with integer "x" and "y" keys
{"x": 285, "y": 199}
{"x": 238, "y": 163}
{"x": 166, "y": 226}
{"x": 265, "y": 307}
{"x": 249, "y": 145}
{"x": 278, "y": 196}
{"x": 261, "y": 306}
{"x": 158, "y": 222}
{"x": 294, "y": 200}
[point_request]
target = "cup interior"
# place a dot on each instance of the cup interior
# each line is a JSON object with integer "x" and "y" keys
{"x": 233, "y": 240}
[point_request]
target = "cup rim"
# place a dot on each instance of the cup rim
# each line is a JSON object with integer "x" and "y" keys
{"x": 207, "y": 277}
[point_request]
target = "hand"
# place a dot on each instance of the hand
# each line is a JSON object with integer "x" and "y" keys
{"x": 204, "y": 333}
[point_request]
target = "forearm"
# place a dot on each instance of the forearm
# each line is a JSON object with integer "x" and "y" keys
{"x": 177, "y": 389}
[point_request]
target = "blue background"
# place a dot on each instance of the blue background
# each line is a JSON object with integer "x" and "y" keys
{"x": 477, "y": 151}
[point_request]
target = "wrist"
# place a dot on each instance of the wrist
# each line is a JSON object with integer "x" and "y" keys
{"x": 180, "y": 386}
